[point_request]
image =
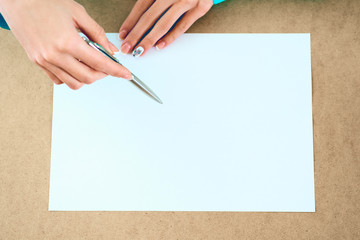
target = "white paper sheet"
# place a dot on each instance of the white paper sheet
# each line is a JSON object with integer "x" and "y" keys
{"x": 234, "y": 132}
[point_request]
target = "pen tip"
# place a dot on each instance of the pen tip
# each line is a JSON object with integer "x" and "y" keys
{"x": 156, "y": 98}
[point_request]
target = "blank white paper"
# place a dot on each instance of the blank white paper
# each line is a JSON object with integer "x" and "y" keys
{"x": 234, "y": 132}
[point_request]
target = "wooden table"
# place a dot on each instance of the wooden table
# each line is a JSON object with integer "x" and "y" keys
{"x": 25, "y": 134}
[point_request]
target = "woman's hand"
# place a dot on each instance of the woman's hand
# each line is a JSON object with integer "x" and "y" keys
{"x": 146, "y": 13}
{"x": 47, "y": 29}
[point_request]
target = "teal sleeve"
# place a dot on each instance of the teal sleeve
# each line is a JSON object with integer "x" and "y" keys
{"x": 3, "y": 23}
{"x": 218, "y": 1}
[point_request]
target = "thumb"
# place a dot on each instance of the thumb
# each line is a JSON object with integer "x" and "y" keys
{"x": 94, "y": 31}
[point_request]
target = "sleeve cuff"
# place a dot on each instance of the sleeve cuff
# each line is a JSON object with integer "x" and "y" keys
{"x": 218, "y": 1}
{"x": 3, "y": 23}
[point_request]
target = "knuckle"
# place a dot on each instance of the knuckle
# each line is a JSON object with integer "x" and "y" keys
{"x": 50, "y": 55}
{"x": 60, "y": 47}
{"x": 68, "y": 45}
{"x": 33, "y": 58}
{"x": 36, "y": 57}
{"x": 39, "y": 59}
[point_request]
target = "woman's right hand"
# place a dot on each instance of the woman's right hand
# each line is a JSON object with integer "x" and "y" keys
{"x": 47, "y": 29}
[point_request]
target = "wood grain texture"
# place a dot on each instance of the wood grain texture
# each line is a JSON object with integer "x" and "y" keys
{"x": 25, "y": 134}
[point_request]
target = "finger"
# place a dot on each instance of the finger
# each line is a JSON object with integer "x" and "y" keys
{"x": 78, "y": 70}
{"x": 113, "y": 47}
{"x": 181, "y": 27}
{"x": 63, "y": 76}
{"x": 145, "y": 22}
{"x": 139, "y": 8}
{"x": 51, "y": 76}
{"x": 160, "y": 28}
{"x": 93, "y": 30}
{"x": 99, "y": 62}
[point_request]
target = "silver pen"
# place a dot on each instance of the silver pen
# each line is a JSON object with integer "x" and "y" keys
{"x": 135, "y": 80}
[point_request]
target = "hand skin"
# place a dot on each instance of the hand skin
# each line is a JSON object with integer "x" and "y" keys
{"x": 47, "y": 29}
{"x": 146, "y": 12}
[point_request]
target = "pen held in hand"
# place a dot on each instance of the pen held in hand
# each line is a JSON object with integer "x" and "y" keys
{"x": 135, "y": 80}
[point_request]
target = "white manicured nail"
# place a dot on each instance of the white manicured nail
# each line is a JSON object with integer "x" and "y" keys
{"x": 138, "y": 51}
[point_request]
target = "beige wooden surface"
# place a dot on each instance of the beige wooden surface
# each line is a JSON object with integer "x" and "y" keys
{"x": 25, "y": 134}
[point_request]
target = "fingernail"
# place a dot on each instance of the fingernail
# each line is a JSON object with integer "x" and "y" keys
{"x": 128, "y": 76}
{"x": 113, "y": 47}
{"x": 138, "y": 51}
{"x": 122, "y": 34}
{"x": 125, "y": 48}
{"x": 160, "y": 45}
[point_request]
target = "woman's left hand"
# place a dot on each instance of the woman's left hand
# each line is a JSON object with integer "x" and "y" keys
{"x": 146, "y": 13}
